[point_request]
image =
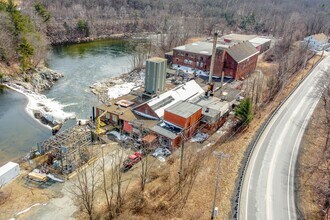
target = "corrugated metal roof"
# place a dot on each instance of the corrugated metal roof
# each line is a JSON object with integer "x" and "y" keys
{"x": 214, "y": 104}
{"x": 238, "y": 37}
{"x": 242, "y": 51}
{"x": 183, "y": 109}
{"x": 164, "y": 132}
{"x": 185, "y": 91}
{"x": 200, "y": 47}
{"x": 259, "y": 40}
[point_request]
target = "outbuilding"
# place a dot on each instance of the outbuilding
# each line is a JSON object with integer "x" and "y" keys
{"x": 8, "y": 172}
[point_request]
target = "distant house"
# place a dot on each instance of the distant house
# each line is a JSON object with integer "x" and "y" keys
{"x": 317, "y": 42}
{"x": 235, "y": 60}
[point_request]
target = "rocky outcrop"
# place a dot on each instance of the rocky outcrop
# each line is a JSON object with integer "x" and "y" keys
{"x": 37, "y": 80}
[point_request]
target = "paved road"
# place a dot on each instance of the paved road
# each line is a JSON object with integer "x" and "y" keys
{"x": 268, "y": 187}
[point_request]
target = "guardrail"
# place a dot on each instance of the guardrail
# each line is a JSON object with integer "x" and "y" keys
{"x": 253, "y": 143}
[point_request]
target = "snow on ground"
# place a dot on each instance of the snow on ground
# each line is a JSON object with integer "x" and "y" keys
{"x": 199, "y": 137}
{"x": 120, "y": 90}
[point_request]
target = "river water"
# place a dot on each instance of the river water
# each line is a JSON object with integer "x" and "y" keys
{"x": 82, "y": 65}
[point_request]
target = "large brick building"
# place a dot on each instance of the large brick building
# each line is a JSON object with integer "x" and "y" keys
{"x": 235, "y": 60}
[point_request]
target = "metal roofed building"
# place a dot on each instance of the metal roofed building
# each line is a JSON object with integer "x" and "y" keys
{"x": 168, "y": 136}
{"x": 237, "y": 37}
{"x": 236, "y": 60}
{"x": 214, "y": 113}
{"x": 183, "y": 109}
{"x": 242, "y": 51}
{"x": 196, "y": 55}
{"x": 182, "y": 118}
{"x": 260, "y": 43}
{"x": 184, "y": 115}
{"x": 154, "y": 109}
{"x": 240, "y": 60}
{"x": 200, "y": 47}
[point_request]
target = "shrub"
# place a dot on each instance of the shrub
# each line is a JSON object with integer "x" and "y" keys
{"x": 42, "y": 11}
{"x": 244, "y": 111}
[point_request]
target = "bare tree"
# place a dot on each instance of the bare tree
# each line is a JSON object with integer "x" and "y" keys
{"x": 84, "y": 188}
{"x": 113, "y": 183}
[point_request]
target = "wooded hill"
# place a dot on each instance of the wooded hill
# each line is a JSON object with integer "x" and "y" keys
{"x": 80, "y": 18}
{"x": 20, "y": 41}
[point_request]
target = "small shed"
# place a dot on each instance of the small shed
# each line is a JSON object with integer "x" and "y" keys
{"x": 260, "y": 43}
{"x": 8, "y": 172}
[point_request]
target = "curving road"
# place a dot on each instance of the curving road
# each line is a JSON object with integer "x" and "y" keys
{"x": 268, "y": 184}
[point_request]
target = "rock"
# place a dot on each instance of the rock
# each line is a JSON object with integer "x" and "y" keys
{"x": 43, "y": 78}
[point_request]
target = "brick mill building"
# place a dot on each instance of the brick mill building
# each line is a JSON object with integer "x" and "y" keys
{"x": 236, "y": 60}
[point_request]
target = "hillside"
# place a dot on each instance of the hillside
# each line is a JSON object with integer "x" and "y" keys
{"x": 74, "y": 19}
{"x": 22, "y": 43}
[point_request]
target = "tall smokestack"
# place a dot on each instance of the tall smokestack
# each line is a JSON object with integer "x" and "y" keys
{"x": 215, "y": 39}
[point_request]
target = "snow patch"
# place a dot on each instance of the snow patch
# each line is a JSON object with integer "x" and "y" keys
{"x": 28, "y": 209}
{"x": 120, "y": 90}
{"x": 49, "y": 108}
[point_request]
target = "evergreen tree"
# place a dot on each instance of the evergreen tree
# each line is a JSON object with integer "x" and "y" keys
{"x": 244, "y": 111}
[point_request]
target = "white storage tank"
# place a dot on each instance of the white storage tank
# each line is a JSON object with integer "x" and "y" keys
{"x": 8, "y": 172}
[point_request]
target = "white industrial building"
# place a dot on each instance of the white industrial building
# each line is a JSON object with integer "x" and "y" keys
{"x": 8, "y": 172}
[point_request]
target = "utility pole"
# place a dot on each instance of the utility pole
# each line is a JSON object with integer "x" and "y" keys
{"x": 181, "y": 163}
{"x": 217, "y": 183}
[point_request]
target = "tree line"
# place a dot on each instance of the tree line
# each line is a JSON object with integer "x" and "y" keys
{"x": 198, "y": 17}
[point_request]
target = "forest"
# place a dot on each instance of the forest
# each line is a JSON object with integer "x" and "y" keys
{"x": 27, "y": 27}
{"x": 81, "y": 18}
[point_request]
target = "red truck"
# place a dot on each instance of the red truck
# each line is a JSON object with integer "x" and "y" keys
{"x": 131, "y": 160}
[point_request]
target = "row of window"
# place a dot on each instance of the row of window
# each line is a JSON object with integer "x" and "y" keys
{"x": 189, "y": 56}
{"x": 112, "y": 117}
{"x": 198, "y": 64}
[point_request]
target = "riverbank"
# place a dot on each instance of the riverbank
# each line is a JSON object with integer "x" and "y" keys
{"x": 47, "y": 111}
{"x": 36, "y": 80}
{"x": 117, "y": 86}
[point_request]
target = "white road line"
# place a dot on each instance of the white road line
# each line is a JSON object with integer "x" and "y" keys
{"x": 269, "y": 188}
{"x": 290, "y": 185}
{"x": 265, "y": 133}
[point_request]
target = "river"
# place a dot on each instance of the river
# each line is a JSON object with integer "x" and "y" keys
{"x": 82, "y": 65}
